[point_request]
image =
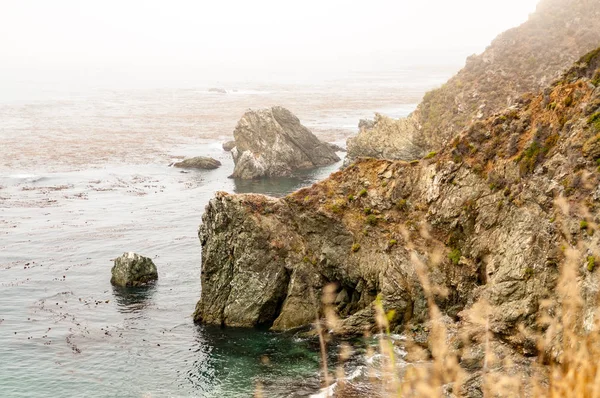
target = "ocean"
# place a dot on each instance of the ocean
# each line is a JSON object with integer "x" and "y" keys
{"x": 84, "y": 177}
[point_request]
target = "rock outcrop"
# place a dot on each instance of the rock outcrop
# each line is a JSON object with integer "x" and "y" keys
{"x": 386, "y": 138}
{"x": 131, "y": 269}
{"x": 272, "y": 143}
{"x": 523, "y": 59}
{"x": 200, "y": 162}
{"x": 481, "y": 214}
{"x": 228, "y": 146}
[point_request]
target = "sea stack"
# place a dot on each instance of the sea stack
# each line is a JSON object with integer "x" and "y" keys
{"x": 273, "y": 143}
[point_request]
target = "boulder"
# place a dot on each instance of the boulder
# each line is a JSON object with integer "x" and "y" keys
{"x": 200, "y": 162}
{"x": 228, "y": 146}
{"x": 131, "y": 269}
{"x": 273, "y": 143}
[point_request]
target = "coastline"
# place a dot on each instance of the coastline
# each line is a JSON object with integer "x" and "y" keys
{"x": 64, "y": 218}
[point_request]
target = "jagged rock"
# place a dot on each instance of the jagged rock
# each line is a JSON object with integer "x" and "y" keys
{"x": 523, "y": 59}
{"x": 479, "y": 215}
{"x": 272, "y": 143}
{"x": 131, "y": 269}
{"x": 200, "y": 162}
{"x": 217, "y": 90}
{"x": 386, "y": 138}
{"x": 228, "y": 146}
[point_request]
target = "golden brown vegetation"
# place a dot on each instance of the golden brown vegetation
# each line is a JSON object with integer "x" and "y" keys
{"x": 567, "y": 360}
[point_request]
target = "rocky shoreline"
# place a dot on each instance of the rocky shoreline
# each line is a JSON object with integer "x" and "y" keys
{"x": 485, "y": 215}
{"x": 476, "y": 203}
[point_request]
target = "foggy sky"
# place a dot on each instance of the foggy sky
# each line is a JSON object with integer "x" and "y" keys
{"x": 154, "y": 43}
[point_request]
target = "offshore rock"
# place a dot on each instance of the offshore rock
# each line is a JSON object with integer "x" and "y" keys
{"x": 131, "y": 269}
{"x": 272, "y": 143}
{"x": 200, "y": 162}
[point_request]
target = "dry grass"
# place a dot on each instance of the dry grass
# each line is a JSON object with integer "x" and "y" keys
{"x": 568, "y": 342}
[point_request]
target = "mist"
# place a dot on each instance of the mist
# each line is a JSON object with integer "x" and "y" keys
{"x": 74, "y": 45}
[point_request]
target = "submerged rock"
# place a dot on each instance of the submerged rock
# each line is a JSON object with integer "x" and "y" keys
{"x": 228, "y": 146}
{"x": 217, "y": 90}
{"x": 200, "y": 162}
{"x": 272, "y": 143}
{"x": 131, "y": 269}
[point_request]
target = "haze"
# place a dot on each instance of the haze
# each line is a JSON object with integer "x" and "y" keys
{"x": 72, "y": 45}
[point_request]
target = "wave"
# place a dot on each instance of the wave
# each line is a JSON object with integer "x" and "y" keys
{"x": 26, "y": 177}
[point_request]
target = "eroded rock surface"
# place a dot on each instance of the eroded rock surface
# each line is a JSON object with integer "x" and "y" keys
{"x": 131, "y": 269}
{"x": 386, "y": 138}
{"x": 273, "y": 143}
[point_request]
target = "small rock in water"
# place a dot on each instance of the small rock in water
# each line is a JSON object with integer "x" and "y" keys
{"x": 131, "y": 269}
{"x": 199, "y": 162}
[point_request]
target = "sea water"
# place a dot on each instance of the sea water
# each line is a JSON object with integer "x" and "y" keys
{"x": 84, "y": 178}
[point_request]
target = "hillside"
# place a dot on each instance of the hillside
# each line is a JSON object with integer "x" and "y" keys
{"x": 523, "y": 59}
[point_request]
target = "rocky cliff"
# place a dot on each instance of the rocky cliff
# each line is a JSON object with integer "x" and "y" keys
{"x": 273, "y": 143}
{"x": 524, "y": 59}
{"x": 387, "y": 138}
{"x": 490, "y": 215}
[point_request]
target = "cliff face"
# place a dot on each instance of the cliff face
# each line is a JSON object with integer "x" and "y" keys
{"x": 481, "y": 214}
{"x": 524, "y": 59}
{"x": 273, "y": 143}
{"x": 387, "y": 138}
